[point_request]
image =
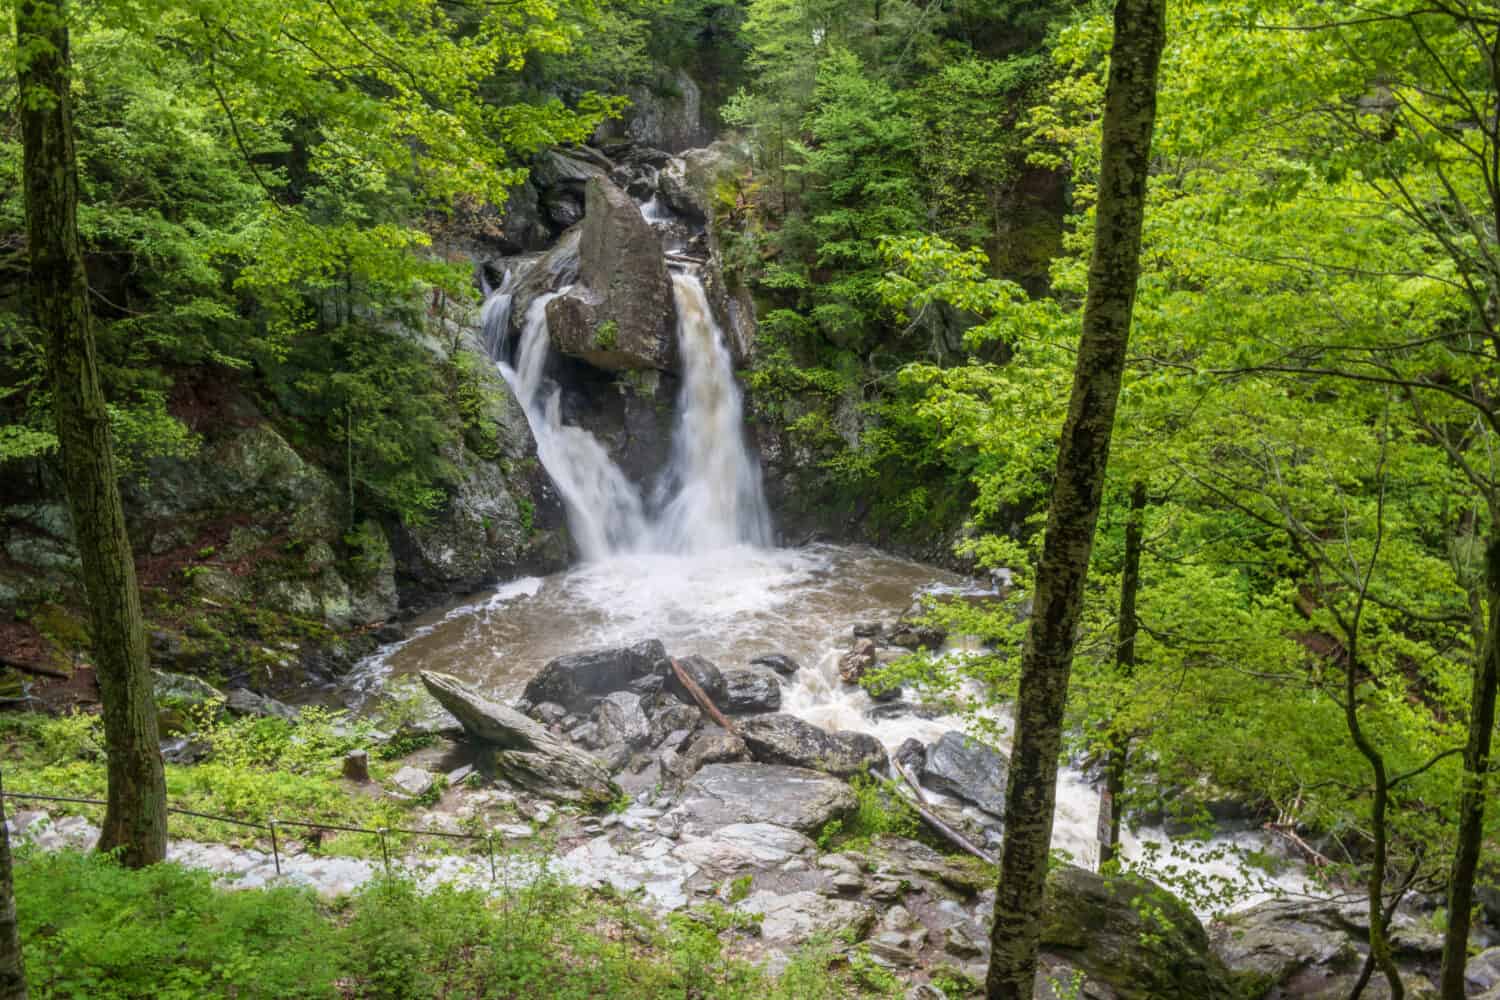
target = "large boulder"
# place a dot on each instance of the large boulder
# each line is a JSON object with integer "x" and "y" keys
{"x": 618, "y": 718}
{"x": 779, "y": 662}
{"x": 723, "y": 794}
{"x": 785, "y": 739}
{"x": 703, "y": 673}
{"x": 577, "y": 681}
{"x": 523, "y": 751}
{"x": 621, "y": 313}
{"x": 1132, "y": 936}
{"x": 751, "y": 691}
{"x": 965, "y": 768}
{"x": 665, "y": 113}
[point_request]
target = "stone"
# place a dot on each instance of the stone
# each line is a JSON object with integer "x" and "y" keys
{"x": 618, "y": 719}
{"x": 241, "y": 701}
{"x": 868, "y": 630}
{"x": 620, "y": 315}
{"x": 963, "y": 941}
{"x": 853, "y": 664}
{"x": 704, "y": 673}
{"x": 961, "y": 766}
{"x": 779, "y": 662}
{"x": 548, "y": 713}
{"x": 183, "y": 750}
{"x": 577, "y": 681}
{"x": 750, "y": 691}
{"x": 414, "y": 781}
{"x": 357, "y": 766}
{"x": 847, "y": 884}
{"x": 797, "y": 916}
{"x": 1483, "y": 971}
{"x": 179, "y": 697}
{"x": 459, "y": 775}
{"x": 673, "y": 716}
{"x": 912, "y": 755}
{"x": 1132, "y": 936}
{"x": 650, "y": 867}
{"x": 741, "y": 847}
{"x": 785, "y": 739}
{"x": 521, "y": 750}
{"x": 711, "y": 745}
{"x": 723, "y": 794}
{"x": 1277, "y": 940}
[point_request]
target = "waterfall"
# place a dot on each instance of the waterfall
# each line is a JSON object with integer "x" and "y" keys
{"x": 709, "y": 497}
{"x": 714, "y": 483}
{"x": 604, "y": 510}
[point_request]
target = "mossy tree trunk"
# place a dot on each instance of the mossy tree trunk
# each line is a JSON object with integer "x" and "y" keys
{"x": 1128, "y": 628}
{"x": 1083, "y": 453}
{"x": 12, "y": 965}
{"x": 135, "y": 818}
{"x": 1470, "y": 840}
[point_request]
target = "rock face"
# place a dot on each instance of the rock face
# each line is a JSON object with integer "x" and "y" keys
{"x": 786, "y": 739}
{"x": 523, "y": 751}
{"x": 750, "y": 691}
{"x": 723, "y": 794}
{"x": 1138, "y": 939}
{"x": 961, "y": 766}
{"x": 779, "y": 662}
{"x": 621, "y": 314}
{"x": 577, "y": 681}
{"x": 666, "y": 114}
{"x": 1296, "y": 948}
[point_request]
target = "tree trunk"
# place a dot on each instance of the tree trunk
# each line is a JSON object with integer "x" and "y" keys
{"x": 12, "y": 964}
{"x": 1476, "y": 769}
{"x": 1083, "y": 453}
{"x": 1119, "y": 743}
{"x": 135, "y": 818}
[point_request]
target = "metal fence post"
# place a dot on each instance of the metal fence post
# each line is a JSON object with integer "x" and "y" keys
{"x": 489, "y": 845}
{"x": 275, "y": 847}
{"x": 385, "y": 855}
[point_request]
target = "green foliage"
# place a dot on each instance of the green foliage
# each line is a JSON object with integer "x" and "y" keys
{"x": 93, "y": 929}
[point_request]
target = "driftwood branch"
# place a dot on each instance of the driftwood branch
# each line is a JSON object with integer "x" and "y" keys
{"x": 1314, "y": 857}
{"x": 32, "y": 668}
{"x": 704, "y": 701}
{"x": 931, "y": 818}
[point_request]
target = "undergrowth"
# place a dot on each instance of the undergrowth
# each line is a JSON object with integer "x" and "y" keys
{"x": 92, "y": 929}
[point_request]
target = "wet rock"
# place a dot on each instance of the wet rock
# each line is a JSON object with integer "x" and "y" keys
{"x": 912, "y": 755}
{"x": 1132, "y": 936}
{"x": 779, "y": 662}
{"x": 853, "y": 664}
{"x": 1282, "y": 942}
{"x": 797, "y": 916}
{"x": 750, "y": 691}
{"x": 786, "y": 739}
{"x": 647, "y": 687}
{"x": 577, "y": 681}
{"x": 961, "y": 766}
{"x": 621, "y": 314}
{"x": 523, "y": 751}
{"x": 723, "y": 794}
{"x": 241, "y": 701}
{"x": 704, "y": 673}
{"x": 710, "y": 745}
{"x": 548, "y": 713}
{"x": 912, "y": 636}
{"x": 618, "y": 718}
{"x": 670, "y": 716}
{"x": 868, "y": 630}
{"x": 900, "y": 709}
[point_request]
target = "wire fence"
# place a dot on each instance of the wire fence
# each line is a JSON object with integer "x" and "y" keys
{"x": 273, "y": 824}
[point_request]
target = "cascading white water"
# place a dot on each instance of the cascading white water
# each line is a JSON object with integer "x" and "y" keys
{"x": 710, "y": 496}
{"x": 604, "y": 510}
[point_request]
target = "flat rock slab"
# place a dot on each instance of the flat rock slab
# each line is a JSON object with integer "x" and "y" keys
{"x": 797, "y": 916}
{"x": 742, "y": 847}
{"x": 720, "y": 795}
{"x": 963, "y": 767}
{"x": 650, "y": 866}
{"x": 781, "y": 738}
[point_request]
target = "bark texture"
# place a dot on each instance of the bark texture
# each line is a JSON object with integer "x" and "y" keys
{"x": 135, "y": 818}
{"x": 1083, "y": 453}
{"x": 1130, "y": 585}
{"x": 1471, "y": 799}
{"x": 12, "y": 965}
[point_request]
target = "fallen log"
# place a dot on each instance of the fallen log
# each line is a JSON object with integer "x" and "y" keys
{"x": 701, "y": 697}
{"x": 931, "y": 818}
